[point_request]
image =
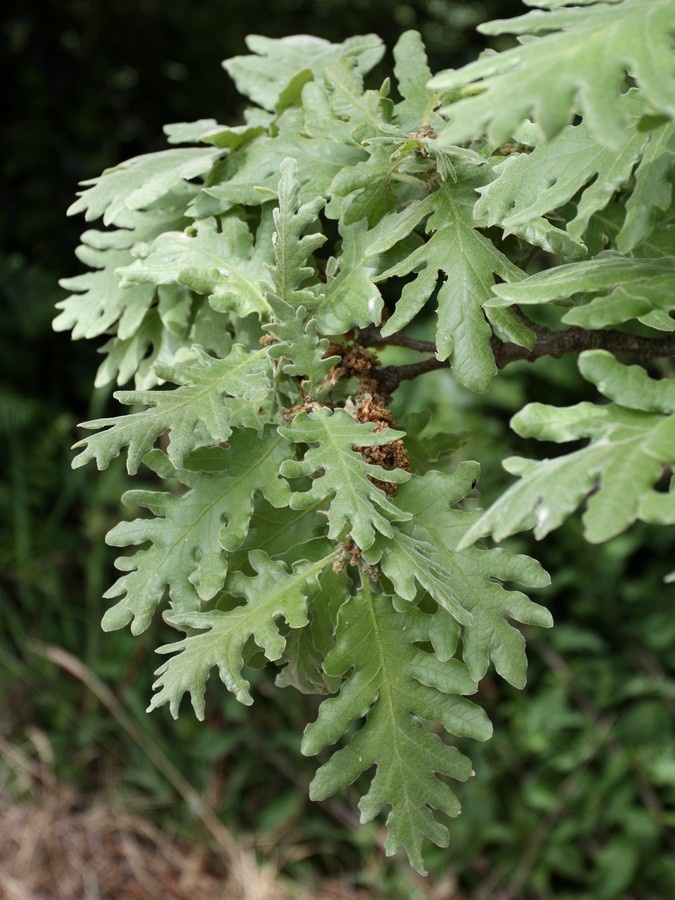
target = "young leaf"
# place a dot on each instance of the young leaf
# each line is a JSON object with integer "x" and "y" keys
{"x": 397, "y": 687}
{"x": 366, "y": 111}
{"x": 419, "y": 104}
{"x": 358, "y": 507}
{"x": 271, "y": 594}
{"x": 580, "y": 53}
{"x": 199, "y": 402}
{"x": 292, "y": 247}
{"x": 630, "y": 443}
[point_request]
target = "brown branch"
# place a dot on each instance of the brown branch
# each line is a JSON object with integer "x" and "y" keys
{"x": 371, "y": 337}
{"x": 548, "y": 343}
{"x": 389, "y": 377}
{"x": 575, "y": 340}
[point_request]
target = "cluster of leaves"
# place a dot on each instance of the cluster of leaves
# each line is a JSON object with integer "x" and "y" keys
{"x": 237, "y": 281}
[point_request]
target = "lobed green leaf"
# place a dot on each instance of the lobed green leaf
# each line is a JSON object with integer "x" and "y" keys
{"x": 272, "y": 594}
{"x": 464, "y": 263}
{"x": 397, "y": 687}
{"x": 474, "y": 578}
{"x": 216, "y": 257}
{"x": 342, "y": 476}
{"x": 533, "y": 184}
{"x": 568, "y": 56}
{"x": 190, "y": 536}
{"x": 199, "y": 403}
{"x": 630, "y": 443}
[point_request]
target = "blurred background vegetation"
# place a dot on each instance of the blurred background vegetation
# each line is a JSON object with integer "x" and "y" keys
{"x": 575, "y": 795}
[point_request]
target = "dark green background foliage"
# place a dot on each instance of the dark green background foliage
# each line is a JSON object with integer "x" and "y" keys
{"x": 575, "y": 794}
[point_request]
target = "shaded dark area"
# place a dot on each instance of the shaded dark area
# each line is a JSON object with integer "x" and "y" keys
{"x": 570, "y": 796}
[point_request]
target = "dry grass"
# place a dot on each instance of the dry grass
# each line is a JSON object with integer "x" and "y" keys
{"x": 57, "y": 844}
{"x": 58, "y": 847}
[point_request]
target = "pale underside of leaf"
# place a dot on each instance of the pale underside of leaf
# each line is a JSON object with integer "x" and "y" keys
{"x": 216, "y": 258}
{"x": 138, "y": 182}
{"x": 264, "y": 75}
